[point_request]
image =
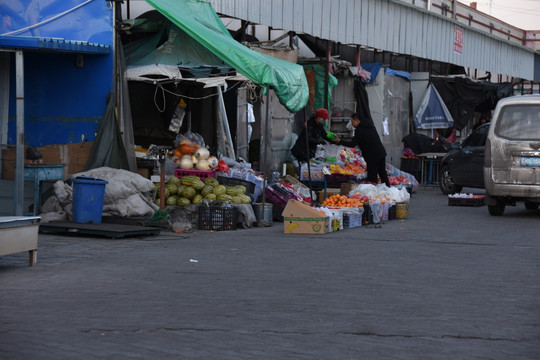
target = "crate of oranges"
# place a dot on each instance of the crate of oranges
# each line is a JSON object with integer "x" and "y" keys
{"x": 339, "y": 200}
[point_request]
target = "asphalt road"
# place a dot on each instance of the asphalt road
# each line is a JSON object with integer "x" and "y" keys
{"x": 448, "y": 282}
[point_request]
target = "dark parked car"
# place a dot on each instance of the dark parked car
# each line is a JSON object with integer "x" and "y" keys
{"x": 463, "y": 166}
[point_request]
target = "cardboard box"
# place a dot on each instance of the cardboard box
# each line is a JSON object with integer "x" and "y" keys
{"x": 297, "y": 186}
{"x": 73, "y": 156}
{"x": 346, "y": 188}
{"x": 329, "y": 192}
{"x": 144, "y": 172}
{"x": 299, "y": 218}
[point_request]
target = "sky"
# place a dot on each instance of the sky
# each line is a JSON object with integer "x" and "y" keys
{"x": 524, "y": 14}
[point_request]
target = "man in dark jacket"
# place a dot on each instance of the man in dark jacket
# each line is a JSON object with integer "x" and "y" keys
{"x": 315, "y": 131}
{"x": 369, "y": 142}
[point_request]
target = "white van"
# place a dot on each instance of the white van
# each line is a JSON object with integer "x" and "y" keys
{"x": 512, "y": 154}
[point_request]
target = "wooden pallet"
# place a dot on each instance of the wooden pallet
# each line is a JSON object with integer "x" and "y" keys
{"x": 114, "y": 231}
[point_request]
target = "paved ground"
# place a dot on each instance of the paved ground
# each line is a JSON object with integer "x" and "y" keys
{"x": 446, "y": 283}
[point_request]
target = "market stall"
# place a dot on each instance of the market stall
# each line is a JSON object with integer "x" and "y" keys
{"x": 197, "y": 190}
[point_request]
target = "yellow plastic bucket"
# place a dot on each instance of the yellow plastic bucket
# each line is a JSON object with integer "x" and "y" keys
{"x": 402, "y": 210}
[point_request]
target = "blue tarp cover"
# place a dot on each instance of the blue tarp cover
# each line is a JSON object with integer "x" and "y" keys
{"x": 374, "y": 69}
{"x": 403, "y": 74}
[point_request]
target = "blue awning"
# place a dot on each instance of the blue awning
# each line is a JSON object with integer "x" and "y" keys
{"x": 53, "y": 45}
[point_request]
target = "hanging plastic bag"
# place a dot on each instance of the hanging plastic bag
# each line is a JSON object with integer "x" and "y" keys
{"x": 386, "y": 130}
{"x": 177, "y": 119}
{"x": 192, "y": 137}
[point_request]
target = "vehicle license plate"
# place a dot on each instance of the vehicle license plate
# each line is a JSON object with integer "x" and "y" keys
{"x": 530, "y": 161}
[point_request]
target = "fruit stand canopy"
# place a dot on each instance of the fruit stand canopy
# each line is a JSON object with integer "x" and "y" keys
{"x": 199, "y": 20}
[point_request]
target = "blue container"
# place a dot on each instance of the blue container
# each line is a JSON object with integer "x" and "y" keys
{"x": 88, "y": 198}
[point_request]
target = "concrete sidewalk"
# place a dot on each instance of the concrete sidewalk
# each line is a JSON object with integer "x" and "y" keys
{"x": 446, "y": 283}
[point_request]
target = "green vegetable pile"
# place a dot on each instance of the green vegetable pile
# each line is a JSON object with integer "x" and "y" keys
{"x": 192, "y": 190}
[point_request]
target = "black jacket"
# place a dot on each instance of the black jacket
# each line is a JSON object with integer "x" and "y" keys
{"x": 368, "y": 140}
{"x": 315, "y": 133}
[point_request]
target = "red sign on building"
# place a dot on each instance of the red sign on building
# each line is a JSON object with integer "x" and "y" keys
{"x": 458, "y": 40}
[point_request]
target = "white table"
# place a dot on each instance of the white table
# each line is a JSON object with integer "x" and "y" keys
{"x": 18, "y": 234}
{"x": 430, "y": 168}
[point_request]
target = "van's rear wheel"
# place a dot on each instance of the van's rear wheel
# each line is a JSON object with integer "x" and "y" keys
{"x": 529, "y": 205}
{"x": 497, "y": 209}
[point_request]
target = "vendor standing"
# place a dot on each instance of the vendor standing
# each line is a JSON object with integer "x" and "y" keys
{"x": 369, "y": 142}
{"x": 315, "y": 131}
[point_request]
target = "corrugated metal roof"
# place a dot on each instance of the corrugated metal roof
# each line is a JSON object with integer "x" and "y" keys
{"x": 52, "y": 44}
{"x": 388, "y": 25}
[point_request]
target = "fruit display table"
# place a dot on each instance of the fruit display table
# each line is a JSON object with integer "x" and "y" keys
{"x": 19, "y": 233}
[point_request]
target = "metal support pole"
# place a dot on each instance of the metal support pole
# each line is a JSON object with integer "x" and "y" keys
{"x": 161, "y": 158}
{"x": 308, "y": 162}
{"x": 4, "y": 101}
{"x": 262, "y": 221}
{"x": 326, "y": 74}
{"x": 19, "y": 161}
{"x": 226, "y": 124}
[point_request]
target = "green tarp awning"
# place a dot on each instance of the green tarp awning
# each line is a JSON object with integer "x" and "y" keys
{"x": 198, "y": 19}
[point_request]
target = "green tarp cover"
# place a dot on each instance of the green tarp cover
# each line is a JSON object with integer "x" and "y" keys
{"x": 320, "y": 76}
{"x": 180, "y": 49}
{"x": 199, "y": 20}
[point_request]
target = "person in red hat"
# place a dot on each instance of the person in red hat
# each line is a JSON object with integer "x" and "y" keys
{"x": 315, "y": 131}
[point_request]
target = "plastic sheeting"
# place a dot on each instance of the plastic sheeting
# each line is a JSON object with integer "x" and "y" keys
{"x": 199, "y": 20}
{"x": 151, "y": 56}
{"x": 115, "y": 133}
{"x": 108, "y": 149}
{"x": 464, "y": 96}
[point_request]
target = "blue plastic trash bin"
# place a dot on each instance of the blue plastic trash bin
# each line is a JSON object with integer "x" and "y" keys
{"x": 88, "y": 198}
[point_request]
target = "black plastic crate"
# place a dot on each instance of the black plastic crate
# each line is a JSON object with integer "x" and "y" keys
{"x": 315, "y": 184}
{"x": 146, "y": 163}
{"x": 392, "y": 212}
{"x": 217, "y": 217}
{"x": 367, "y": 215}
{"x": 228, "y": 181}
